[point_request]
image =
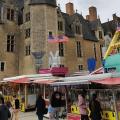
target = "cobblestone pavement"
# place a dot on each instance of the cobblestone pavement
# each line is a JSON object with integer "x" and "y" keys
{"x": 29, "y": 116}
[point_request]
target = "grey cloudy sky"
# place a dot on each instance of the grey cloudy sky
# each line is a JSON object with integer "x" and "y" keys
{"x": 105, "y": 8}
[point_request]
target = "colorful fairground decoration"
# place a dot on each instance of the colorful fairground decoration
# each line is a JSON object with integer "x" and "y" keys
{"x": 57, "y": 39}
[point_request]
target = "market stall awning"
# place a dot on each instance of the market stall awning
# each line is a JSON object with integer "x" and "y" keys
{"x": 108, "y": 81}
{"x": 21, "y": 81}
{"x": 44, "y": 81}
{"x": 27, "y": 78}
{"x": 70, "y": 83}
{"x": 87, "y": 77}
{"x": 107, "y": 78}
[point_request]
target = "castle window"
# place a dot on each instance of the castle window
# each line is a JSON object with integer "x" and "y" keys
{"x": 27, "y": 17}
{"x": 1, "y": 14}
{"x": 79, "y": 52}
{"x": 27, "y": 50}
{"x": 10, "y": 14}
{"x": 2, "y": 66}
{"x": 100, "y": 35}
{"x": 101, "y": 52}
{"x": 27, "y": 33}
{"x": 80, "y": 67}
{"x": 77, "y": 28}
{"x": 10, "y": 43}
{"x": 61, "y": 49}
{"x": 93, "y": 32}
{"x": 61, "y": 65}
{"x": 95, "y": 54}
{"x": 60, "y": 25}
{"x": 50, "y": 33}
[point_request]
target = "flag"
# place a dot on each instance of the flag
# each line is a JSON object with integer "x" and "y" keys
{"x": 57, "y": 39}
{"x": 50, "y": 37}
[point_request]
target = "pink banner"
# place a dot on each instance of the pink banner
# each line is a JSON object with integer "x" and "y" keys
{"x": 73, "y": 117}
{"x": 44, "y": 71}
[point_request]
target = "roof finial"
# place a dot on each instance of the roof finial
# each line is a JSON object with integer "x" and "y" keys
{"x": 98, "y": 17}
{"x": 76, "y": 10}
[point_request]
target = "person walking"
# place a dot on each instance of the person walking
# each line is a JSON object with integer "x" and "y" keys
{"x": 4, "y": 111}
{"x": 9, "y": 105}
{"x": 16, "y": 107}
{"x": 56, "y": 102}
{"x": 40, "y": 106}
{"x": 95, "y": 108}
{"x": 82, "y": 106}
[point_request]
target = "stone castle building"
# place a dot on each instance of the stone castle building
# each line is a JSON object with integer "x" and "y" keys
{"x": 24, "y": 30}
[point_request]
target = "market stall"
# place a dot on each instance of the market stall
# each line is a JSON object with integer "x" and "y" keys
{"x": 27, "y": 87}
{"x": 113, "y": 83}
{"x": 90, "y": 83}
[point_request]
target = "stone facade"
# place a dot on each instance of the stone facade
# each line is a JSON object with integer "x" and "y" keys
{"x": 31, "y": 44}
{"x": 8, "y": 56}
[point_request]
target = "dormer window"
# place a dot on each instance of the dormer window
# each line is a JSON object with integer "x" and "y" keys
{"x": 100, "y": 35}
{"x": 1, "y": 14}
{"x": 10, "y": 14}
{"x": 27, "y": 17}
{"x": 60, "y": 25}
{"x": 77, "y": 29}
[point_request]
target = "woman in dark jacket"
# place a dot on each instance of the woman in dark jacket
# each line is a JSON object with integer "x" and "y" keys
{"x": 4, "y": 111}
{"x": 40, "y": 106}
{"x": 95, "y": 108}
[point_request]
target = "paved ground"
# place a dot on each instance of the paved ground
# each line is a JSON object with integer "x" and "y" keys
{"x": 30, "y": 116}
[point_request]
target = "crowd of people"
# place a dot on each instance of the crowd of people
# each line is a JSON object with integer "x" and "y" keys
{"x": 10, "y": 111}
{"x": 94, "y": 107}
{"x": 55, "y": 104}
{"x": 94, "y": 112}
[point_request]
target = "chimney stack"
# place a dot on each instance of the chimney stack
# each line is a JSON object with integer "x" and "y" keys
{"x": 70, "y": 8}
{"x": 92, "y": 13}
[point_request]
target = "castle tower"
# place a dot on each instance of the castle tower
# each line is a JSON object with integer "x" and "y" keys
{"x": 70, "y": 8}
{"x": 92, "y": 13}
{"x": 42, "y": 22}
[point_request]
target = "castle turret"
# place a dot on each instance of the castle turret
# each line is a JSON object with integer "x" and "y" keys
{"x": 43, "y": 17}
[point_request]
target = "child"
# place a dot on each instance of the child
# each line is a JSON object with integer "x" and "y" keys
{"x": 51, "y": 112}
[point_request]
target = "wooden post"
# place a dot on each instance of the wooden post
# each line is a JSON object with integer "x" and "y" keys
{"x": 115, "y": 105}
{"x": 44, "y": 92}
{"x": 26, "y": 97}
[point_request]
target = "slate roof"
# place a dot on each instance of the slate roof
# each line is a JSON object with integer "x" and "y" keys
{"x": 50, "y": 2}
{"x": 20, "y": 3}
{"x": 86, "y": 28}
{"x": 68, "y": 30}
{"x": 111, "y": 26}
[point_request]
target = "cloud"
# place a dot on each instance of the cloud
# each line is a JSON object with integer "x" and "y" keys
{"x": 105, "y": 8}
